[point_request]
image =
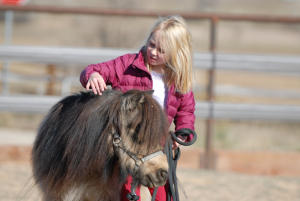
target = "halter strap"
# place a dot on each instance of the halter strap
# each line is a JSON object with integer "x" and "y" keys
{"x": 138, "y": 161}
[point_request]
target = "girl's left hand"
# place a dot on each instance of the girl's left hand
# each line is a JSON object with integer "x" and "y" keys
{"x": 175, "y": 144}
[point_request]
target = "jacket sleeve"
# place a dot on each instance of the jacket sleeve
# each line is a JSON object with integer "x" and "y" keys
{"x": 185, "y": 117}
{"x": 111, "y": 71}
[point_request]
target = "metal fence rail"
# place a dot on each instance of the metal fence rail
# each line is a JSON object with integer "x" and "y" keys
{"x": 69, "y": 81}
{"x": 85, "y": 56}
{"x": 42, "y": 104}
{"x": 225, "y": 89}
{"x": 27, "y": 104}
{"x": 59, "y": 55}
{"x": 148, "y": 13}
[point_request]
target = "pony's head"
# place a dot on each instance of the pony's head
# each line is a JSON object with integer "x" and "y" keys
{"x": 143, "y": 131}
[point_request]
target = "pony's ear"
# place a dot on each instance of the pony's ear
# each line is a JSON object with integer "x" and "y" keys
{"x": 142, "y": 97}
{"x": 150, "y": 92}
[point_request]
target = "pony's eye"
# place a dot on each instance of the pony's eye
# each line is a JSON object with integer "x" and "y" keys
{"x": 136, "y": 133}
{"x": 138, "y": 128}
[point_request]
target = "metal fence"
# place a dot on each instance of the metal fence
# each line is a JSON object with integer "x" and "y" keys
{"x": 83, "y": 56}
{"x": 210, "y": 61}
{"x": 279, "y": 64}
{"x": 42, "y": 104}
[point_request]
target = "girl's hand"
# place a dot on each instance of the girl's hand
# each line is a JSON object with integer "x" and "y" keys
{"x": 97, "y": 83}
{"x": 175, "y": 144}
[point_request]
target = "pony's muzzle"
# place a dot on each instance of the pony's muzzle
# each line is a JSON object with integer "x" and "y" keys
{"x": 157, "y": 179}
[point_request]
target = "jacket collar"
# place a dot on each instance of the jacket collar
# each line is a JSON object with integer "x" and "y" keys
{"x": 139, "y": 61}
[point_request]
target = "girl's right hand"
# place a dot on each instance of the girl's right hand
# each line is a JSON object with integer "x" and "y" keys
{"x": 175, "y": 144}
{"x": 97, "y": 83}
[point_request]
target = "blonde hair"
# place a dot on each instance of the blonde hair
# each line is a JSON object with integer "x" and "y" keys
{"x": 176, "y": 41}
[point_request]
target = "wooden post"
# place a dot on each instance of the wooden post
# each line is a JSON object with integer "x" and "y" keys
{"x": 8, "y": 29}
{"x": 209, "y": 158}
{"x": 51, "y": 83}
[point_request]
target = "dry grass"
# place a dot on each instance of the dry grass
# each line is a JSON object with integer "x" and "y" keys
{"x": 251, "y": 135}
{"x": 20, "y": 121}
{"x": 262, "y": 81}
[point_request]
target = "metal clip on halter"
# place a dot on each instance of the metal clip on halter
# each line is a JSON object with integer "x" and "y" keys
{"x": 116, "y": 140}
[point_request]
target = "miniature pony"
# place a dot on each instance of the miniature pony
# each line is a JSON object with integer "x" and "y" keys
{"x": 88, "y": 144}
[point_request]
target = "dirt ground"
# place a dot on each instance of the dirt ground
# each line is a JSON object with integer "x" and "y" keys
{"x": 271, "y": 176}
{"x": 16, "y": 184}
{"x": 260, "y": 184}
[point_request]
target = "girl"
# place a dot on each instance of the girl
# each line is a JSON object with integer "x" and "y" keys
{"x": 164, "y": 64}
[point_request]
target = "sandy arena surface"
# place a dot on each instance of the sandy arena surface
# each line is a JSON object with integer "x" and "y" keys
{"x": 200, "y": 185}
{"x": 16, "y": 184}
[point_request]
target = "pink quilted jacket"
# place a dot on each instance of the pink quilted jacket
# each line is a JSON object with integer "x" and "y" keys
{"x": 129, "y": 72}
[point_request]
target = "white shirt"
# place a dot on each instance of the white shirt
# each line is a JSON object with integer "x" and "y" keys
{"x": 160, "y": 89}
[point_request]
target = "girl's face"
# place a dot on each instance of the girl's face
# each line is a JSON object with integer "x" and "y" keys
{"x": 156, "y": 55}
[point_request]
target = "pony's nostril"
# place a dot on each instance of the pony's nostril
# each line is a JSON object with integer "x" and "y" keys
{"x": 163, "y": 174}
{"x": 159, "y": 179}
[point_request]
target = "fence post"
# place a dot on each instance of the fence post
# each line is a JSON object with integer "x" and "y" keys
{"x": 209, "y": 156}
{"x": 8, "y": 29}
{"x": 51, "y": 83}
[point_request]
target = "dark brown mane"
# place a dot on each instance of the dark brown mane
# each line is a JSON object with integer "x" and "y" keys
{"x": 72, "y": 142}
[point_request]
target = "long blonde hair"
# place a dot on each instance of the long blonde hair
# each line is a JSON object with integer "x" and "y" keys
{"x": 176, "y": 41}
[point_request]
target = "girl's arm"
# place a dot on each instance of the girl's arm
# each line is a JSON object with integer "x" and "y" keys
{"x": 97, "y": 76}
{"x": 185, "y": 117}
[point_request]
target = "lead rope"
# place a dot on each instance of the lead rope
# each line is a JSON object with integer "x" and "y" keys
{"x": 172, "y": 161}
